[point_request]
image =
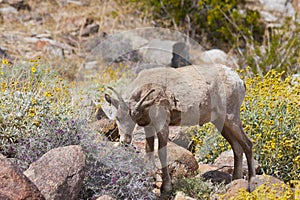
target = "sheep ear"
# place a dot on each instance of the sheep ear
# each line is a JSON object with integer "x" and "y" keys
{"x": 111, "y": 101}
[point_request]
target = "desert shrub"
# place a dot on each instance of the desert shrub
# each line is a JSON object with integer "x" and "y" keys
{"x": 196, "y": 188}
{"x": 116, "y": 170}
{"x": 268, "y": 192}
{"x": 280, "y": 50}
{"x": 271, "y": 116}
{"x": 209, "y": 142}
{"x": 36, "y": 112}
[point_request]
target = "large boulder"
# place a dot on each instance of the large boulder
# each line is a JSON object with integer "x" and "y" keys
{"x": 59, "y": 173}
{"x": 14, "y": 185}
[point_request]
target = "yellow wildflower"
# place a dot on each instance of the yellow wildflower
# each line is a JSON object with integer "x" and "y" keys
{"x": 33, "y": 69}
{"x": 5, "y": 62}
{"x": 48, "y": 94}
{"x": 36, "y": 122}
{"x": 31, "y": 112}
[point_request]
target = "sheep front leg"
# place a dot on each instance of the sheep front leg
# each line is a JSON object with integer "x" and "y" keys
{"x": 162, "y": 154}
{"x": 150, "y": 134}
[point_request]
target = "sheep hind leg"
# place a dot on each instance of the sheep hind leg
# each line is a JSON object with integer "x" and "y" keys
{"x": 237, "y": 152}
{"x": 238, "y": 134}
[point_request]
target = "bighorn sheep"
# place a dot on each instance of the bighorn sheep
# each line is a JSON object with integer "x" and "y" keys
{"x": 192, "y": 95}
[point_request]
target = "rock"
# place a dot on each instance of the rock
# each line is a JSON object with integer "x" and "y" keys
{"x": 8, "y": 13}
{"x": 180, "y": 55}
{"x": 179, "y": 136}
{"x": 114, "y": 47}
{"x": 59, "y": 173}
{"x": 216, "y": 176}
{"x": 180, "y": 160}
{"x": 274, "y": 11}
{"x": 90, "y": 30}
{"x": 14, "y": 185}
{"x": 49, "y": 46}
{"x": 158, "y": 52}
{"x": 105, "y": 197}
{"x": 225, "y": 161}
{"x": 203, "y": 168}
{"x": 265, "y": 179}
{"x": 218, "y": 56}
{"x": 181, "y": 196}
{"x": 107, "y": 127}
{"x": 237, "y": 185}
{"x": 93, "y": 42}
{"x": 234, "y": 187}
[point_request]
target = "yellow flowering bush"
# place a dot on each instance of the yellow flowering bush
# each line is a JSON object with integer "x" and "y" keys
{"x": 271, "y": 117}
{"x": 265, "y": 191}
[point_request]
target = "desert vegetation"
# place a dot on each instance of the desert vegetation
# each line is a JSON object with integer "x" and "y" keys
{"x": 44, "y": 106}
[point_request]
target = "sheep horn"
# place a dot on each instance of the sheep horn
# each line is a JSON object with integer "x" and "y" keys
{"x": 120, "y": 98}
{"x": 138, "y": 106}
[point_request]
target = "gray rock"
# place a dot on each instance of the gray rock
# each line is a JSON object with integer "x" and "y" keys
{"x": 107, "y": 127}
{"x": 180, "y": 55}
{"x": 179, "y": 136}
{"x": 90, "y": 30}
{"x": 216, "y": 176}
{"x": 105, "y": 197}
{"x": 115, "y": 46}
{"x": 93, "y": 42}
{"x": 14, "y": 185}
{"x": 180, "y": 160}
{"x": 159, "y": 52}
{"x": 59, "y": 173}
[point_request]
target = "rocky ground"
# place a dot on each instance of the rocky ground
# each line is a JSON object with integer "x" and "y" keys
{"x": 61, "y": 32}
{"x": 65, "y": 32}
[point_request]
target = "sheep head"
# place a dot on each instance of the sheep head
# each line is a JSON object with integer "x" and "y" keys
{"x": 139, "y": 113}
{"x": 127, "y": 117}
